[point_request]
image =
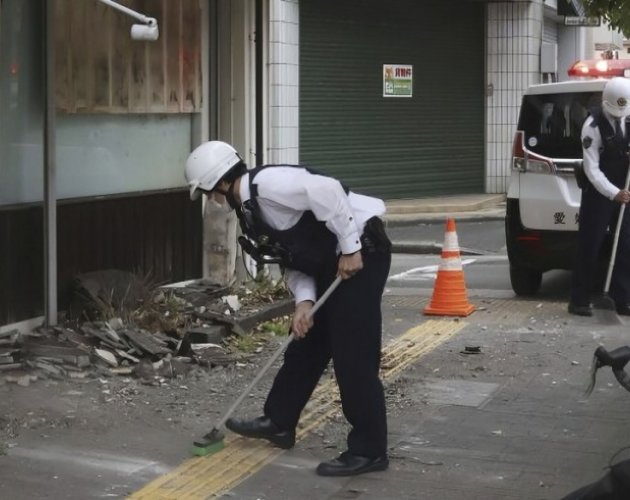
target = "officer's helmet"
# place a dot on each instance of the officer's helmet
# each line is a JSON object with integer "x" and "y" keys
{"x": 616, "y": 98}
{"x": 207, "y": 164}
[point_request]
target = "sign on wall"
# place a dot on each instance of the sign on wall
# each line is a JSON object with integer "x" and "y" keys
{"x": 593, "y": 21}
{"x": 397, "y": 80}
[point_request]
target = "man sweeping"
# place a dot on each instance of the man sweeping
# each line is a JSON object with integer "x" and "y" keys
{"x": 317, "y": 230}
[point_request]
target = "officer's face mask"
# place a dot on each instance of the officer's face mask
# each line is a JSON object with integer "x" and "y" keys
{"x": 229, "y": 195}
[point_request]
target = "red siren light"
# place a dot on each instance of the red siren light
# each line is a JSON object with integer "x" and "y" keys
{"x": 600, "y": 68}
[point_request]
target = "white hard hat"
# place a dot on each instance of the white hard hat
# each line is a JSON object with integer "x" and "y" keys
{"x": 616, "y": 97}
{"x": 207, "y": 164}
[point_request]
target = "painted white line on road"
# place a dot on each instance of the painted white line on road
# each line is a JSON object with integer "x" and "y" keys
{"x": 424, "y": 272}
{"x": 121, "y": 464}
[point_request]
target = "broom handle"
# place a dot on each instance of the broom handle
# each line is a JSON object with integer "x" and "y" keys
{"x": 613, "y": 255}
{"x": 276, "y": 355}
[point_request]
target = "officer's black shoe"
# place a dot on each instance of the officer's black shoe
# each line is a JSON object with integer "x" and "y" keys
{"x": 348, "y": 464}
{"x": 262, "y": 428}
{"x": 623, "y": 309}
{"x": 580, "y": 310}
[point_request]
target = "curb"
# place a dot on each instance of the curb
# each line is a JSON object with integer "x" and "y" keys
{"x": 430, "y": 218}
{"x": 426, "y": 248}
{"x": 448, "y": 204}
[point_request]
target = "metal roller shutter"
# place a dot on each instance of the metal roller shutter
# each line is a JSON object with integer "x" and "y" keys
{"x": 430, "y": 144}
{"x": 550, "y": 31}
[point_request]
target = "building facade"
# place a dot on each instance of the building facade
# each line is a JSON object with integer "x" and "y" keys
{"x": 95, "y": 131}
{"x": 399, "y": 99}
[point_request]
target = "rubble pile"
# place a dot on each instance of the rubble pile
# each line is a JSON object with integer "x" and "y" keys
{"x": 184, "y": 326}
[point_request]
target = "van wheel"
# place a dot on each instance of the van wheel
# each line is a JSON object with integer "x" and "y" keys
{"x": 525, "y": 281}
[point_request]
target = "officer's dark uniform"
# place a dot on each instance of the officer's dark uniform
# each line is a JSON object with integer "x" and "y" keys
{"x": 347, "y": 328}
{"x": 599, "y": 213}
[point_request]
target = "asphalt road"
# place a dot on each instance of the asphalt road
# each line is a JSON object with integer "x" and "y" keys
{"x": 483, "y": 236}
{"x": 485, "y": 273}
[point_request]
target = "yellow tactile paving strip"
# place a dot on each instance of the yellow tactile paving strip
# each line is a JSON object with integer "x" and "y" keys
{"x": 210, "y": 477}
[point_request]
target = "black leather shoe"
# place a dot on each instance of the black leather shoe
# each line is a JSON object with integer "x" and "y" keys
{"x": 348, "y": 464}
{"x": 623, "y": 309}
{"x": 262, "y": 428}
{"x": 580, "y": 310}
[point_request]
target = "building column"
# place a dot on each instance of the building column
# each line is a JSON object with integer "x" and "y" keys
{"x": 284, "y": 82}
{"x": 513, "y": 59}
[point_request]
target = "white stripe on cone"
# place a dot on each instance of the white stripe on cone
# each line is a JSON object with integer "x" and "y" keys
{"x": 450, "y": 242}
{"x": 451, "y": 264}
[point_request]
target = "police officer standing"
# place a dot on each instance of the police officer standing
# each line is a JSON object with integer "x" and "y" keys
{"x": 318, "y": 230}
{"x": 605, "y": 145}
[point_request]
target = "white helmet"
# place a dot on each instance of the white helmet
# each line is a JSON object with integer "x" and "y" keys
{"x": 207, "y": 164}
{"x": 616, "y": 97}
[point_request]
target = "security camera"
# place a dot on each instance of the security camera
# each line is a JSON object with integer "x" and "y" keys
{"x": 144, "y": 32}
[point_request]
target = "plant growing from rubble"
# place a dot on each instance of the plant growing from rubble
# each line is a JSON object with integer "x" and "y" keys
{"x": 278, "y": 327}
{"x": 140, "y": 302}
{"x": 247, "y": 344}
{"x": 264, "y": 289}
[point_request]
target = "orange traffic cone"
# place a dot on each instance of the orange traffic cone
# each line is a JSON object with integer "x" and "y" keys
{"x": 449, "y": 295}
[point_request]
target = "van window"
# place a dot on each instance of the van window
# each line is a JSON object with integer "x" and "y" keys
{"x": 552, "y": 123}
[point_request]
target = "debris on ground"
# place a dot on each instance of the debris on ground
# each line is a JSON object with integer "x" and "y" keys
{"x": 149, "y": 333}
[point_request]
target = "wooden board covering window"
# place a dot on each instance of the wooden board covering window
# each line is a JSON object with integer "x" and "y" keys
{"x": 100, "y": 69}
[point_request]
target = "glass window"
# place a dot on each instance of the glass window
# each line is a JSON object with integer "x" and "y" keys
{"x": 21, "y": 103}
{"x": 553, "y": 122}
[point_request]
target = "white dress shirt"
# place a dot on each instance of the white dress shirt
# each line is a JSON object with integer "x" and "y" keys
{"x": 591, "y": 157}
{"x": 285, "y": 193}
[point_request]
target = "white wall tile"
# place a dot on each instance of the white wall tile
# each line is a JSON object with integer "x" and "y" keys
{"x": 513, "y": 59}
{"x": 284, "y": 59}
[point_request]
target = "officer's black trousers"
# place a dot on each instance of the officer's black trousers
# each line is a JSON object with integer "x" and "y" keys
{"x": 597, "y": 213}
{"x": 347, "y": 330}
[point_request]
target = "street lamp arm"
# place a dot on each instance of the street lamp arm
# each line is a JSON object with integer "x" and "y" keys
{"x": 149, "y": 21}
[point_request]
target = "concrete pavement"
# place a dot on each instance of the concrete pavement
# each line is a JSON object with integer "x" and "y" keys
{"x": 435, "y": 209}
{"x": 510, "y": 422}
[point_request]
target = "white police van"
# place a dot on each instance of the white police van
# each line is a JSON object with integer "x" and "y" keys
{"x": 543, "y": 198}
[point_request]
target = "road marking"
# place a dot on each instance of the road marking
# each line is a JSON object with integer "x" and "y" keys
{"x": 111, "y": 462}
{"x": 210, "y": 477}
{"x": 424, "y": 272}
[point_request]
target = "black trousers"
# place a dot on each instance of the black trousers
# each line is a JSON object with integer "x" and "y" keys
{"x": 348, "y": 330}
{"x": 597, "y": 214}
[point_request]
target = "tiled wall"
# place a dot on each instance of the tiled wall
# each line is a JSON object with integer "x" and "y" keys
{"x": 514, "y": 37}
{"x": 284, "y": 60}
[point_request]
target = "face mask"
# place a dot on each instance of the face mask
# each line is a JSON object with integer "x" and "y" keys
{"x": 229, "y": 195}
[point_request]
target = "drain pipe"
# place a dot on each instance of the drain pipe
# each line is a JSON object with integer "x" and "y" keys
{"x": 50, "y": 166}
{"x": 260, "y": 66}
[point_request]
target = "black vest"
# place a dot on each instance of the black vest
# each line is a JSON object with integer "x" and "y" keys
{"x": 308, "y": 246}
{"x": 613, "y": 154}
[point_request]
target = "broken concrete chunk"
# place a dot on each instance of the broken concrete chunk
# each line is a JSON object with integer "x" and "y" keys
{"x": 122, "y": 370}
{"x": 145, "y": 342}
{"x": 232, "y": 301}
{"x": 24, "y": 381}
{"x": 13, "y": 366}
{"x": 123, "y": 354}
{"x": 116, "y": 324}
{"x": 207, "y": 334}
{"x": 48, "y": 368}
{"x": 106, "y": 356}
{"x": 9, "y": 334}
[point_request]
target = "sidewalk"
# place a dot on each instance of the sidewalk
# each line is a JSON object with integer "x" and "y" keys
{"x": 464, "y": 207}
{"x": 507, "y": 423}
